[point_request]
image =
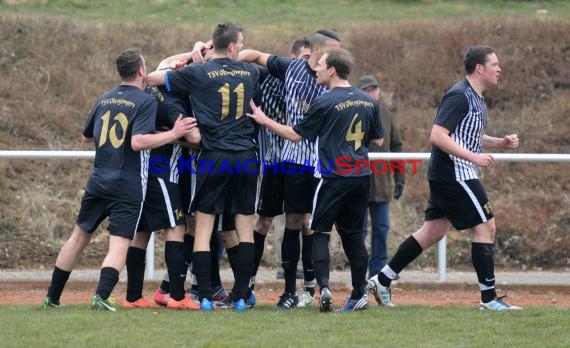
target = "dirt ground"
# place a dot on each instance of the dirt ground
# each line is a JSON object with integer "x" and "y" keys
{"x": 33, "y": 292}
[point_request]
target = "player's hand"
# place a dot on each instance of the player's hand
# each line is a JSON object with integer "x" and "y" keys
{"x": 511, "y": 141}
{"x": 398, "y": 189}
{"x": 199, "y": 50}
{"x": 183, "y": 126}
{"x": 176, "y": 64}
{"x": 257, "y": 114}
{"x": 484, "y": 160}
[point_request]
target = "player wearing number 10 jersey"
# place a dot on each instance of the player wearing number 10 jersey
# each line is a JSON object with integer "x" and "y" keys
{"x": 220, "y": 91}
{"x": 120, "y": 125}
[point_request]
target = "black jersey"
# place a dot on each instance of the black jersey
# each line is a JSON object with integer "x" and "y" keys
{"x": 464, "y": 113}
{"x": 164, "y": 159}
{"x": 119, "y": 172}
{"x": 220, "y": 91}
{"x": 342, "y": 123}
{"x": 300, "y": 90}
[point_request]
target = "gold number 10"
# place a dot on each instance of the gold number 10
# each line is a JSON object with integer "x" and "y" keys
{"x": 120, "y": 119}
{"x": 225, "y": 92}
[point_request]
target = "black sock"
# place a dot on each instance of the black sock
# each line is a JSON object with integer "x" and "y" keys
{"x": 259, "y": 242}
{"x": 355, "y": 251}
{"x": 307, "y": 259}
{"x": 107, "y": 281}
{"x": 290, "y": 252}
{"x": 188, "y": 249}
{"x": 59, "y": 278}
{"x": 165, "y": 286}
{"x": 201, "y": 269}
{"x": 174, "y": 257}
{"x": 407, "y": 252}
{"x": 244, "y": 269}
{"x": 482, "y": 256}
{"x": 215, "y": 279}
{"x": 135, "y": 273}
{"x": 321, "y": 258}
{"x": 233, "y": 255}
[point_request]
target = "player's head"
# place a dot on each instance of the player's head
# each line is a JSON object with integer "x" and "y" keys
{"x": 336, "y": 63}
{"x": 301, "y": 48}
{"x": 481, "y": 62}
{"x": 323, "y": 40}
{"x": 130, "y": 64}
{"x": 228, "y": 39}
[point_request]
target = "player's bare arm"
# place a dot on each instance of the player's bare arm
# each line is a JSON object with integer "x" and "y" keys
{"x": 179, "y": 60}
{"x": 253, "y": 56}
{"x": 182, "y": 126}
{"x": 282, "y": 130}
{"x": 440, "y": 138}
{"x": 510, "y": 141}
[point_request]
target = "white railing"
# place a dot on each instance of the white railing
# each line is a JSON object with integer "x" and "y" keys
{"x": 442, "y": 245}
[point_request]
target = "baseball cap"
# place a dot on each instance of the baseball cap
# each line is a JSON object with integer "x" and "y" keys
{"x": 367, "y": 81}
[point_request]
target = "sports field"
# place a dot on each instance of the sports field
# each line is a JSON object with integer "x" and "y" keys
{"x": 425, "y": 316}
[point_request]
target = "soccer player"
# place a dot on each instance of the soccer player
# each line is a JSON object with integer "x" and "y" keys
{"x": 227, "y": 174}
{"x": 457, "y": 197}
{"x": 381, "y": 191}
{"x": 270, "y": 203}
{"x": 344, "y": 121}
{"x": 301, "y": 89}
{"x": 121, "y": 125}
{"x": 162, "y": 210}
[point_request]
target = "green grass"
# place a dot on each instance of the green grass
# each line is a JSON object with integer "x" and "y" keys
{"x": 300, "y": 14}
{"x": 404, "y": 326}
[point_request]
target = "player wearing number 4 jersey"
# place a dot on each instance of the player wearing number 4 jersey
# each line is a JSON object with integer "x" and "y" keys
{"x": 120, "y": 125}
{"x": 220, "y": 91}
{"x": 342, "y": 123}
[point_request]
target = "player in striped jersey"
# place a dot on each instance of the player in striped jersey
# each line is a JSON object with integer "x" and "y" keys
{"x": 120, "y": 125}
{"x": 270, "y": 203}
{"x": 301, "y": 89}
{"x": 457, "y": 197}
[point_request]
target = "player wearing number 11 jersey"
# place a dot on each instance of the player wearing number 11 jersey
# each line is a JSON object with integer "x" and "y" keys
{"x": 220, "y": 91}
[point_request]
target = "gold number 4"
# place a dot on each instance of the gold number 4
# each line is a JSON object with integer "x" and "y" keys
{"x": 120, "y": 119}
{"x": 357, "y": 135}
{"x": 225, "y": 92}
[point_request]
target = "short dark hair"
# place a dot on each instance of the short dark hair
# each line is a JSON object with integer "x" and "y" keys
{"x": 224, "y": 34}
{"x": 341, "y": 60}
{"x": 476, "y": 55}
{"x": 300, "y": 43}
{"x": 128, "y": 63}
{"x": 321, "y": 36}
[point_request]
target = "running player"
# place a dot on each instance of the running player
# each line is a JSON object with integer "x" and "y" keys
{"x": 457, "y": 197}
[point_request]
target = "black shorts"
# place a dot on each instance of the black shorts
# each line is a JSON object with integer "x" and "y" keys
{"x": 186, "y": 182}
{"x": 463, "y": 203}
{"x": 226, "y": 182}
{"x": 225, "y": 222}
{"x": 162, "y": 207}
{"x": 287, "y": 187}
{"x": 342, "y": 200}
{"x": 123, "y": 215}
{"x": 271, "y": 194}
